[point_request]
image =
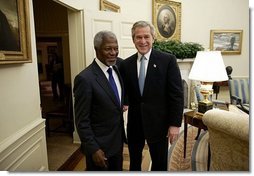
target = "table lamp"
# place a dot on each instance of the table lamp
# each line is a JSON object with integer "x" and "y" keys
{"x": 208, "y": 67}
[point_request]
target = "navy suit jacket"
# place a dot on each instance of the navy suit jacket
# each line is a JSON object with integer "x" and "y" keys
{"x": 161, "y": 105}
{"x": 98, "y": 115}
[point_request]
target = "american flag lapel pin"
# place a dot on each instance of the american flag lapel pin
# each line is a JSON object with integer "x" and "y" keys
{"x": 154, "y": 66}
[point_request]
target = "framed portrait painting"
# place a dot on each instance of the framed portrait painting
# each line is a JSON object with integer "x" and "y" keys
{"x": 226, "y": 41}
{"x": 167, "y": 19}
{"x": 15, "y": 44}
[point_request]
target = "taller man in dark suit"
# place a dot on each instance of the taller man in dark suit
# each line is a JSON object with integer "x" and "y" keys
{"x": 155, "y": 112}
{"x": 99, "y": 109}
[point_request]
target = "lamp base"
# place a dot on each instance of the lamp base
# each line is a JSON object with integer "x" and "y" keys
{"x": 204, "y": 106}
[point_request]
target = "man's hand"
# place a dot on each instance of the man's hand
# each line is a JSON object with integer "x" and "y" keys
{"x": 125, "y": 108}
{"x": 173, "y": 133}
{"x": 99, "y": 159}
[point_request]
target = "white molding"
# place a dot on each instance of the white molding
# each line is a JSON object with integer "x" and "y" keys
{"x": 239, "y": 77}
{"x": 26, "y": 149}
{"x": 185, "y": 60}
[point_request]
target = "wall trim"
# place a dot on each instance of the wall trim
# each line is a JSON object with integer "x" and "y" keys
{"x": 20, "y": 151}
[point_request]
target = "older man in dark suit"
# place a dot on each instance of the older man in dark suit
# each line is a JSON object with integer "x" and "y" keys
{"x": 99, "y": 107}
{"x": 155, "y": 97}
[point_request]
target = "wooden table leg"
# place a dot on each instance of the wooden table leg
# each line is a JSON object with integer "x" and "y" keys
{"x": 185, "y": 137}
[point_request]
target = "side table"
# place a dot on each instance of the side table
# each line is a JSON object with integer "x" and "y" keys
{"x": 193, "y": 119}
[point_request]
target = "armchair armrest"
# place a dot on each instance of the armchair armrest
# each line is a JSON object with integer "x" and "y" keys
{"x": 231, "y": 123}
{"x": 238, "y": 101}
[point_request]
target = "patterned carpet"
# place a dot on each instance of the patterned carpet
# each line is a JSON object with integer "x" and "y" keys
{"x": 126, "y": 162}
{"x": 196, "y": 152}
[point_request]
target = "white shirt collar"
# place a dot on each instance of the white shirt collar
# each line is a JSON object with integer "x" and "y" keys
{"x": 103, "y": 67}
{"x": 147, "y": 55}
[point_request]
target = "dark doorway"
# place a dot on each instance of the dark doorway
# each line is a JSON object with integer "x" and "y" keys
{"x": 51, "y": 30}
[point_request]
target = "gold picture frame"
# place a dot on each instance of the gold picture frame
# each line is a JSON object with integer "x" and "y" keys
{"x": 109, "y": 6}
{"x": 167, "y": 19}
{"x": 226, "y": 41}
{"x": 16, "y": 48}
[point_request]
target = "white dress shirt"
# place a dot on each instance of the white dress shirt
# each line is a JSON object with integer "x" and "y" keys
{"x": 147, "y": 56}
{"x": 104, "y": 68}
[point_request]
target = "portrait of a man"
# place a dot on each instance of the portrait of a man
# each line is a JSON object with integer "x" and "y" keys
{"x": 15, "y": 45}
{"x": 9, "y": 38}
{"x": 166, "y": 21}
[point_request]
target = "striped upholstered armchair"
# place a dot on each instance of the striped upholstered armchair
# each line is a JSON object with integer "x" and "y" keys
{"x": 240, "y": 93}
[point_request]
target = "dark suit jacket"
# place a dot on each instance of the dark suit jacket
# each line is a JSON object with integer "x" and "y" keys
{"x": 161, "y": 105}
{"x": 98, "y": 115}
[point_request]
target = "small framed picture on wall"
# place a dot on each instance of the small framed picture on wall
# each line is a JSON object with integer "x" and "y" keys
{"x": 226, "y": 41}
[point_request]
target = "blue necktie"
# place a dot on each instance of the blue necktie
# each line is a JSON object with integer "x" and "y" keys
{"x": 113, "y": 84}
{"x": 141, "y": 79}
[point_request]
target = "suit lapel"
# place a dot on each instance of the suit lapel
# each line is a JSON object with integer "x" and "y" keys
{"x": 103, "y": 82}
{"x": 121, "y": 82}
{"x": 151, "y": 68}
{"x": 134, "y": 72}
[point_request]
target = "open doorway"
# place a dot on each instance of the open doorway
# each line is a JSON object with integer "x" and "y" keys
{"x": 52, "y": 38}
{"x": 46, "y": 46}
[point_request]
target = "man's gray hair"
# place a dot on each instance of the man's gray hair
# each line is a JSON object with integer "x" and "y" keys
{"x": 142, "y": 24}
{"x": 98, "y": 38}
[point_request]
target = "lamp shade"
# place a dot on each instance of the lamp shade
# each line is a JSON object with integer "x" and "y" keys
{"x": 208, "y": 66}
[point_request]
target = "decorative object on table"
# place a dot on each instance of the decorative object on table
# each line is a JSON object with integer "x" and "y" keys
{"x": 226, "y": 41}
{"x": 208, "y": 67}
{"x": 229, "y": 71}
{"x": 216, "y": 103}
{"x": 179, "y": 49}
{"x": 217, "y": 85}
{"x": 167, "y": 19}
